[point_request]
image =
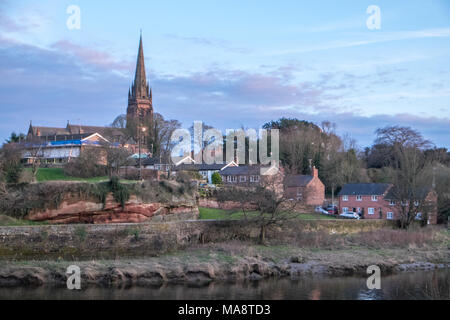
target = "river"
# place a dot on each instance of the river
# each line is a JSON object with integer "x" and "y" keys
{"x": 412, "y": 285}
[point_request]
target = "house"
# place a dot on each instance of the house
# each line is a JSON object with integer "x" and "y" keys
{"x": 59, "y": 148}
{"x": 377, "y": 201}
{"x": 205, "y": 170}
{"x": 306, "y": 188}
{"x": 243, "y": 176}
{"x": 156, "y": 164}
{"x": 427, "y": 196}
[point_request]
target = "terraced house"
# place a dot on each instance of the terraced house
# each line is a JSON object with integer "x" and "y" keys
{"x": 378, "y": 201}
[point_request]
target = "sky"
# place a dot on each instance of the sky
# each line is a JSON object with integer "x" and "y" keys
{"x": 230, "y": 64}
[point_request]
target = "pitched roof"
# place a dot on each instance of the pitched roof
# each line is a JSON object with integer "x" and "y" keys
{"x": 421, "y": 193}
{"x": 73, "y": 128}
{"x": 364, "y": 189}
{"x": 298, "y": 180}
{"x": 49, "y": 131}
{"x": 241, "y": 170}
{"x": 199, "y": 167}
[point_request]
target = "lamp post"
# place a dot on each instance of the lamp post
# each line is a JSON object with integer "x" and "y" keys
{"x": 142, "y": 129}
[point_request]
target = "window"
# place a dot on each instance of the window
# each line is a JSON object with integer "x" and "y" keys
{"x": 358, "y": 198}
{"x": 392, "y": 203}
{"x": 242, "y": 178}
{"x": 390, "y": 215}
{"x": 419, "y": 216}
{"x": 254, "y": 178}
{"x": 344, "y": 198}
{"x": 345, "y": 210}
{"x": 371, "y": 211}
{"x": 374, "y": 198}
{"x": 416, "y": 203}
{"x": 299, "y": 195}
{"x": 358, "y": 210}
{"x": 233, "y": 178}
{"x": 229, "y": 178}
{"x": 404, "y": 204}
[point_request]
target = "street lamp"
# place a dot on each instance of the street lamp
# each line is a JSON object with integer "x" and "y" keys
{"x": 142, "y": 129}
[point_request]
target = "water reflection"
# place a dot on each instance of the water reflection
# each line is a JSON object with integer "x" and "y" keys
{"x": 417, "y": 285}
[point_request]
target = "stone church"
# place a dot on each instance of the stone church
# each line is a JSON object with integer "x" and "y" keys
{"x": 59, "y": 145}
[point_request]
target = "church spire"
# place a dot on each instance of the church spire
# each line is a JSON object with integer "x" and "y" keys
{"x": 140, "y": 86}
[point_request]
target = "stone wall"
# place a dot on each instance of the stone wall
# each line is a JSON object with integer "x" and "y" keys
{"x": 121, "y": 240}
{"x": 225, "y": 205}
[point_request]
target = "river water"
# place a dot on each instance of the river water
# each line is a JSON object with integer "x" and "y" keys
{"x": 412, "y": 285}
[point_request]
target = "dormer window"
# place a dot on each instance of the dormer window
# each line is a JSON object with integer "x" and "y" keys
{"x": 358, "y": 198}
{"x": 344, "y": 198}
{"x": 374, "y": 198}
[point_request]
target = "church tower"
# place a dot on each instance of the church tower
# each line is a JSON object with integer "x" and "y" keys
{"x": 140, "y": 106}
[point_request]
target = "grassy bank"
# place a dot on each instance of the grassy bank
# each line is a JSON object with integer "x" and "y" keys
{"x": 221, "y": 214}
{"x": 12, "y": 222}
{"x": 57, "y": 174}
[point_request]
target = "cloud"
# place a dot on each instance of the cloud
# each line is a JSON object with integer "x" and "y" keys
{"x": 376, "y": 38}
{"x": 216, "y": 43}
{"x": 90, "y": 56}
{"x": 49, "y": 87}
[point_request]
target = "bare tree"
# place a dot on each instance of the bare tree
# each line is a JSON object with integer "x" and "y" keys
{"x": 411, "y": 186}
{"x": 272, "y": 205}
{"x": 116, "y": 158}
{"x": 411, "y": 183}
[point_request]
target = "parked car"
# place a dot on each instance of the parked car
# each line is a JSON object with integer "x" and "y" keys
{"x": 332, "y": 210}
{"x": 319, "y": 209}
{"x": 350, "y": 215}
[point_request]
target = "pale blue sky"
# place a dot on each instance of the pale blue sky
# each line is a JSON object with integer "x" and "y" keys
{"x": 230, "y": 63}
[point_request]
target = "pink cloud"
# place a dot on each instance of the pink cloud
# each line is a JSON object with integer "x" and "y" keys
{"x": 94, "y": 57}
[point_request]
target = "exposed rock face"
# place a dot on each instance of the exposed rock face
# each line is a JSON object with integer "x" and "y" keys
{"x": 74, "y": 210}
{"x": 226, "y": 205}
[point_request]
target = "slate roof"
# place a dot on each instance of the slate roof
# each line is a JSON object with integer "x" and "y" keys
{"x": 298, "y": 180}
{"x": 420, "y": 193}
{"x": 49, "y": 131}
{"x": 72, "y": 129}
{"x": 199, "y": 167}
{"x": 364, "y": 189}
{"x": 241, "y": 170}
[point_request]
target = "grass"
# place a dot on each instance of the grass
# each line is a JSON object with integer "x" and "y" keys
{"x": 220, "y": 214}
{"x": 57, "y": 174}
{"x": 6, "y": 221}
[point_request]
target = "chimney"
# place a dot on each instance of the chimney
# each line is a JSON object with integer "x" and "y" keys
{"x": 315, "y": 172}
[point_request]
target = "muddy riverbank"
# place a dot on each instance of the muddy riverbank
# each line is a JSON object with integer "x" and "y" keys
{"x": 225, "y": 262}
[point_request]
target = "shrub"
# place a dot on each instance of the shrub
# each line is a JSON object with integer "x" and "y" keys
{"x": 10, "y": 166}
{"x": 87, "y": 165}
{"x": 120, "y": 192}
{"x": 13, "y": 173}
{"x": 216, "y": 178}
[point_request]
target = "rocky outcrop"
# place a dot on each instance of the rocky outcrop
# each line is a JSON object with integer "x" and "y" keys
{"x": 73, "y": 210}
{"x": 225, "y": 205}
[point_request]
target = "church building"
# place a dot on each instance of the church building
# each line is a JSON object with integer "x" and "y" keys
{"x": 59, "y": 145}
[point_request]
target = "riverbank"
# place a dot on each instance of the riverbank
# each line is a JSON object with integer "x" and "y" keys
{"x": 232, "y": 261}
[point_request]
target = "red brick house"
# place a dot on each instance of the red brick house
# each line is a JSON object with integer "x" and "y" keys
{"x": 376, "y": 201}
{"x": 307, "y": 189}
